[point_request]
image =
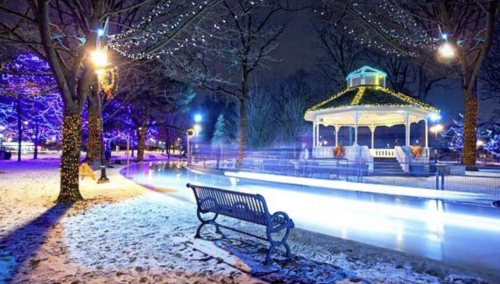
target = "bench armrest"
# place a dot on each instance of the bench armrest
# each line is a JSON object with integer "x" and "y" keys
{"x": 282, "y": 219}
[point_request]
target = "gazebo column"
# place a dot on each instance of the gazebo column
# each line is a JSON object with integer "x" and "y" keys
{"x": 317, "y": 132}
{"x": 314, "y": 133}
{"x": 426, "y": 133}
{"x": 407, "y": 128}
{"x": 356, "y": 116}
{"x": 372, "y": 130}
{"x": 337, "y": 129}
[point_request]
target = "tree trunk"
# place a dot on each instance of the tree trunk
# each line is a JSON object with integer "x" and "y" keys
{"x": 71, "y": 132}
{"x": 94, "y": 129}
{"x": 243, "y": 134}
{"x": 470, "y": 123}
{"x": 19, "y": 128}
{"x": 167, "y": 143}
{"x": 142, "y": 143}
{"x": 132, "y": 140}
{"x": 37, "y": 139}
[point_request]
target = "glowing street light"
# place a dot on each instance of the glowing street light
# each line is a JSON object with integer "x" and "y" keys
{"x": 198, "y": 118}
{"x": 434, "y": 117}
{"x": 197, "y": 128}
{"x": 436, "y": 129}
{"x": 446, "y": 50}
{"x": 99, "y": 58}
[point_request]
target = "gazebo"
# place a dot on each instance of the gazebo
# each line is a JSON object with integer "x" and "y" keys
{"x": 368, "y": 103}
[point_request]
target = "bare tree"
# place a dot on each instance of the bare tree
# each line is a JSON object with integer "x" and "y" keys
{"x": 249, "y": 35}
{"x": 295, "y": 95}
{"x": 340, "y": 54}
{"x": 261, "y": 111}
{"x": 491, "y": 72}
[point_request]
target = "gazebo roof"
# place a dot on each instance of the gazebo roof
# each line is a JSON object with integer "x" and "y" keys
{"x": 376, "y": 96}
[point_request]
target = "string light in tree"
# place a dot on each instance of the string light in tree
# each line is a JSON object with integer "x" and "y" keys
{"x": 180, "y": 24}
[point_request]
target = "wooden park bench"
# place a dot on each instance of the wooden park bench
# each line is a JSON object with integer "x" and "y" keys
{"x": 243, "y": 206}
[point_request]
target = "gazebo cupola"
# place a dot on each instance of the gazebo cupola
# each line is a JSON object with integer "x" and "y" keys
{"x": 366, "y": 75}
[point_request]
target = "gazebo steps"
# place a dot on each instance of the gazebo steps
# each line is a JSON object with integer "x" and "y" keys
{"x": 387, "y": 166}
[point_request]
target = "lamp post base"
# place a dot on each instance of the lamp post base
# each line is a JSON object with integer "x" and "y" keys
{"x": 103, "y": 178}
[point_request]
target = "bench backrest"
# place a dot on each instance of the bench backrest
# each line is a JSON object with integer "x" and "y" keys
{"x": 240, "y": 205}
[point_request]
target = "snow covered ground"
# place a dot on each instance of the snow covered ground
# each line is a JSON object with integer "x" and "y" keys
{"x": 124, "y": 232}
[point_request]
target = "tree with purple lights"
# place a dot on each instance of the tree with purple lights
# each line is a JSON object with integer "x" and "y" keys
{"x": 7, "y": 114}
{"x": 43, "y": 119}
{"x": 38, "y": 109}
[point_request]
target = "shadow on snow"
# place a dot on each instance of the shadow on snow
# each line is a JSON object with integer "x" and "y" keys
{"x": 22, "y": 244}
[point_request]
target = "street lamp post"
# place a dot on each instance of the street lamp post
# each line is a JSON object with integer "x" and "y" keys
{"x": 189, "y": 133}
{"x": 100, "y": 60}
{"x": 103, "y": 178}
{"x": 197, "y": 130}
{"x": 436, "y": 129}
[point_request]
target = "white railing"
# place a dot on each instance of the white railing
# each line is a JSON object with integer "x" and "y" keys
{"x": 403, "y": 159}
{"x": 323, "y": 152}
{"x": 382, "y": 153}
{"x": 328, "y": 152}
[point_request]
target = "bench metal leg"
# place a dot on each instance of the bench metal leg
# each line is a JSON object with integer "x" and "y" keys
{"x": 197, "y": 235}
{"x": 217, "y": 229}
{"x": 288, "y": 252}
{"x": 282, "y": 242}
{"x": 268, "y": 256}
{"x": 205, "y": 222}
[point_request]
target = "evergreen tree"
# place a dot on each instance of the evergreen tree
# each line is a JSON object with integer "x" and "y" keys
{"x": 220, "y": 138}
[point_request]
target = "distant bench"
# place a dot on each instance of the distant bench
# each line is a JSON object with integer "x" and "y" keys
{"x": 243, "y": 206}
